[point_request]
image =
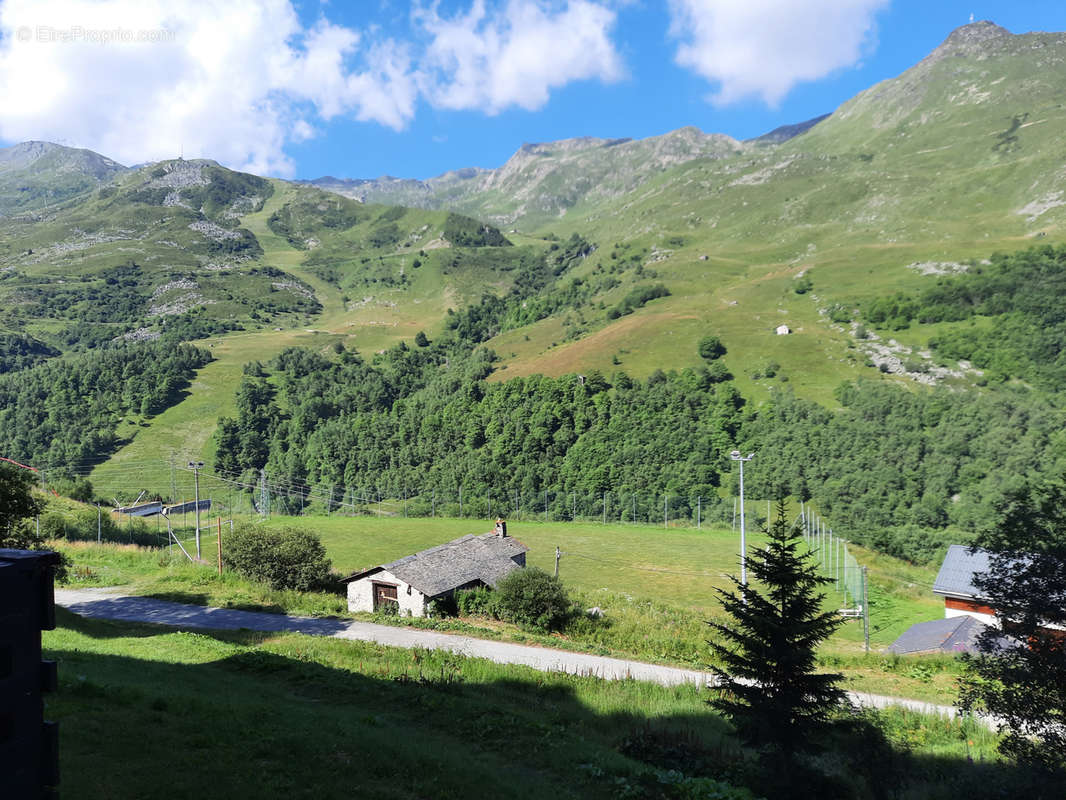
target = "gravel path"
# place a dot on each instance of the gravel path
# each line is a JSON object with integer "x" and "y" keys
{"x": 109, "y": 604}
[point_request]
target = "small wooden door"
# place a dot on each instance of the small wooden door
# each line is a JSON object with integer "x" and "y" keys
{"x": 384, "y": 593}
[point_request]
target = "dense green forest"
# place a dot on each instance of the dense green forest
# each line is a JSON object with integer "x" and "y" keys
{"x": 411, "y": 420}
{"x": 18, "y": 351}
{"x": 68, "y": 411}
{"x": 895, "y": 468}
{"x": 1015, "y": 307}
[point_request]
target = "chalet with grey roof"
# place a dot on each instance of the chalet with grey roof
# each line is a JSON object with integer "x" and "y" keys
{"x": 965, "y": 613}
{"x": 955, "y": 584}
{"x": 966, "y": 609}
{"x": 412, "y": 582}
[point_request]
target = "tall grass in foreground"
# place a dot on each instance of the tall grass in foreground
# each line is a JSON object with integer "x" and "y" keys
{"x": 149, "y": 712}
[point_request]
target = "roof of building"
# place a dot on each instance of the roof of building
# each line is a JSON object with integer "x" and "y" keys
{"x": 486, "y": 558}
{"x": 948, "y": 635}
{"x": 956, "y": 573}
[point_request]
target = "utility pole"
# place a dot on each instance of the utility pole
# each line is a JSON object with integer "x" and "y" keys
{"x": 99, "y": 525}
{"x": 264, "y": 494}
{"x": 699, "y": 516}
{"x": 220, "y": 546}
{"x": 196, "y": 466}
{"x": 735, "y": 455}
{"x": 605, "y": 508}
{"x": 666, "y": 510}
{"x": 557, "y": 554}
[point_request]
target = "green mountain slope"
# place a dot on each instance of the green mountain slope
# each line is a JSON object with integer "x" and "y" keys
{"x": 150, "y": 250}
{"x": 955, "y": 159}
{"x": 37, "y": 174}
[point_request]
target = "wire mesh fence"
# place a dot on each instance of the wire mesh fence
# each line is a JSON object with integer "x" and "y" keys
{"x": 841, "y": 567}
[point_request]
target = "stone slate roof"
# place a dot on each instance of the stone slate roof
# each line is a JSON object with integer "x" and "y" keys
{"x": 956, "y": 573}
{"x": 949, "y": 635}
{"x": 486, "y": 558}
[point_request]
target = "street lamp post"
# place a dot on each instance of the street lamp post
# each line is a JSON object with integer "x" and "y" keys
{"x": 196, "y": 466}
{"x": 736, "y": 456}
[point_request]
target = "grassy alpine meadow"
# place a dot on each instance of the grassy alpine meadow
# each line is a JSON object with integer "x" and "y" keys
{"x": 146, "y": 711}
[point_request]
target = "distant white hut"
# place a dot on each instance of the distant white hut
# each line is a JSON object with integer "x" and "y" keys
{"x": 783, "y": 330}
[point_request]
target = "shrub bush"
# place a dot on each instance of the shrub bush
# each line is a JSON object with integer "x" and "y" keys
{"x": 286, "y": 558}
{"x": 480, "y": 601}
{"x": 710, "y": 348}
{"x": 533, "y": 599}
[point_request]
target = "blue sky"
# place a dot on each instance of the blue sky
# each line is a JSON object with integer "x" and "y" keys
{"x": 379, "y": 87}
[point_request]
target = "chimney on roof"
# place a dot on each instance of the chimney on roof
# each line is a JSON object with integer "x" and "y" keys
{"x": 501, "y": 527}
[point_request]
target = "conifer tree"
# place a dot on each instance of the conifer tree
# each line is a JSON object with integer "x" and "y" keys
{"x": 771, "y": 691}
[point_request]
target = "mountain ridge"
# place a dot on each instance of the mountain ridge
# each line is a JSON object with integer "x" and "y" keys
{"x": 35, "y": 174}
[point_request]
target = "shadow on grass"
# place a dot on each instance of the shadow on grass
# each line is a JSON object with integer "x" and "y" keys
{"x": 404, "y": 723}
{"x": 199, "y": 599}
{"x": 112, "y": 629}
{"x": 303, "y": 717}
{"x": 191, "y": 613}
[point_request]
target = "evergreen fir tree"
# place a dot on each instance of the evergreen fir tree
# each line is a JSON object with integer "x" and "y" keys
{"x": 770, "y": 689}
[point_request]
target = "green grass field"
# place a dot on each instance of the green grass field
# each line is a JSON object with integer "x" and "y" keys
{"x": 244, "y": 715}
{"x": 145, "y": 711}
{"x": 676, "y": 566}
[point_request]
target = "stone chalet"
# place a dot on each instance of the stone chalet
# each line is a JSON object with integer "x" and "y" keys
{"x": 413, "y": 581}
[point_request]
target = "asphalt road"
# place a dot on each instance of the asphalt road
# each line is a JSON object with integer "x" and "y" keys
{"x": 110, "y": 604}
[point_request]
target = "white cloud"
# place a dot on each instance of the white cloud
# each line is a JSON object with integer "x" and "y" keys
{"x": 233, "y": 80}
{"x": 238, "y": 80}
{"x": 763, "y": 48}
{"x": 489, "y": 61}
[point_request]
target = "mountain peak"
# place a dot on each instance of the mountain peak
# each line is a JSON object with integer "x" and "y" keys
{"x": 971, "y": 40}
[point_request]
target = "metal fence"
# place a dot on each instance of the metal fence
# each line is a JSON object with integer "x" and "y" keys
{"x": 837, "y": 563}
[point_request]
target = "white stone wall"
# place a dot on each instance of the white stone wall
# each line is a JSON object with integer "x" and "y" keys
{"x": 361, "y": 594}
{"x": 987, "y": 619}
